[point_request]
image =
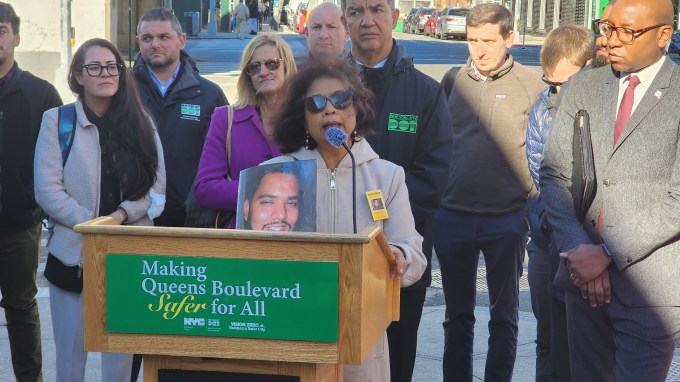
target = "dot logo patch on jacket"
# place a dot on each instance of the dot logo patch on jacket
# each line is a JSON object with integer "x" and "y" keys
{"x": 190, "y": 112}
{"x": 403, "y": 123}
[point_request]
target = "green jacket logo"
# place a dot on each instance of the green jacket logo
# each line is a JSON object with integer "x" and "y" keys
{"x": 403, "y": 123}
{"x": 189, "y": 109}
{"x": 190, "y": 112}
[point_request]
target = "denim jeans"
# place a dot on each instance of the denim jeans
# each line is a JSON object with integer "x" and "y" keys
{"x": 459, "y": 238}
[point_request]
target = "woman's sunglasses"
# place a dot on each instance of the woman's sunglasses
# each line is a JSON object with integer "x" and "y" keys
{"x": 317, "y": 103}
{"x": 253, "y": 68}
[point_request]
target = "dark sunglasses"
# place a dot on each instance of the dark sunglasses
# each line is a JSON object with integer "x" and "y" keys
{"x": 317, "y": 103}
{"x": 551, "y": 83}
{"x": 253, "y": 68}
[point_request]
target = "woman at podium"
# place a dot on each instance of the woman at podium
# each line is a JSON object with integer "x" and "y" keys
{"x": 98, "y": 157}
{"x": 327, "y": 97}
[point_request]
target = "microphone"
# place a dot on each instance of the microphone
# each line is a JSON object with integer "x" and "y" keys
{"x": 338, "y": 138}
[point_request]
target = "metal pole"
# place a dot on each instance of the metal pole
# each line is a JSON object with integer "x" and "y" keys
{"x": 130, "y": 32}
{"x": 212, "y": 25}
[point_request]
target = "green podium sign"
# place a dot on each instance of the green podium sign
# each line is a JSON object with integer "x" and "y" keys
{"x": 227, "y": 297}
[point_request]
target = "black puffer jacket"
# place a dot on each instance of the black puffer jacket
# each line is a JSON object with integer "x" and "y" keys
{"x": 182, "y": 117}
{"x": 413, "y": 130}
{"x": 23, "y": 100}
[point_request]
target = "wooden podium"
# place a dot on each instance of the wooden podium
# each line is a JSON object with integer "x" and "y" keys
{"x": 368, "y": 299}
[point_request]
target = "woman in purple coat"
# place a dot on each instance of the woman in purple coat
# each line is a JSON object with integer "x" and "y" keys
{"x": 266, "y": 63}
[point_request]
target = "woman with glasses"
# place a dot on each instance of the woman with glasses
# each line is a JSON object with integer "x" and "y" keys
{"x": 265, "y": 64}
{"x": 330, "y": 96}
{"x": 112, "y": 165}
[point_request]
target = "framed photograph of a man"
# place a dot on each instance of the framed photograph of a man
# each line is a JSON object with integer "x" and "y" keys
{"x": 278, "y": 197}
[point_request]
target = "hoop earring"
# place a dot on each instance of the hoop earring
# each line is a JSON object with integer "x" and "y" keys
{"x": 307, "y": 141}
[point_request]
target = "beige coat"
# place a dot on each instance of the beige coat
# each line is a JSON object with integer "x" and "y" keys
{"x": 334, "y": 214}
{"x": 70, "y": 194}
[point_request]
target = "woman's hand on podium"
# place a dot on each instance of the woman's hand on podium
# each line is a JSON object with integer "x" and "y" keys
{"x": 399, "y": 266}
{"x": 119, "y": 215}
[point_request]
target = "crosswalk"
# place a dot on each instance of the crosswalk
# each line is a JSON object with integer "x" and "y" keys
{"x": 481, "y": 280}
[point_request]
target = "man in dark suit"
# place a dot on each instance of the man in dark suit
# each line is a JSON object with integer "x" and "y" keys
{"x": 620, "y": 265}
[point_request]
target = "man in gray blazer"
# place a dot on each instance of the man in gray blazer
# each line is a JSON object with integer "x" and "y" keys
{"x": 621, "y": 267}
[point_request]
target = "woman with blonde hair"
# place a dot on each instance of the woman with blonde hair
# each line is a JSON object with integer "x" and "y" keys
{"x": 266, "y": 63}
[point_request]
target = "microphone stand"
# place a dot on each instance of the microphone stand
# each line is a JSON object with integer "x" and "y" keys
{"x": 354, "y": 186}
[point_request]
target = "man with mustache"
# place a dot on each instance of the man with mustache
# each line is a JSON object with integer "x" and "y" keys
{"x": 413, "y": 130}
{"x": 275, "y": 203}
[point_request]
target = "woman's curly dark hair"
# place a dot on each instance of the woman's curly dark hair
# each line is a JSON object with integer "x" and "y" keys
{"x": 289, "y": 129}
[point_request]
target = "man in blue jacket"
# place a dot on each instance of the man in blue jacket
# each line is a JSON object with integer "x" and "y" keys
{"x": 23, "y": 100}
{"x": 565, "y": 51}
{"x": 413, "y": 130}
{"x": 180, "y": 100}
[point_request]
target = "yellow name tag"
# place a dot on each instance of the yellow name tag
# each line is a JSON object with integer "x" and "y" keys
{"x": 376, "y": 204}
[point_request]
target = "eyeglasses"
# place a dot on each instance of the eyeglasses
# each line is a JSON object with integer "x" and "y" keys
{"x": 625, "y": 35}
{"x": 317, "y": 103}
{"x": 253, "y": 68}
{"x": 96, "y": 70}
{"x": 551, "y": 83}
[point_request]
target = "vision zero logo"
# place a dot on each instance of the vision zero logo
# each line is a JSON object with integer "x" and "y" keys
{"x": 193, "y": 321}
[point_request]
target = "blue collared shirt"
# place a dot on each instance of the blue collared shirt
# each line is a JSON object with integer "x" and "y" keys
{"x": 163, "y": 86}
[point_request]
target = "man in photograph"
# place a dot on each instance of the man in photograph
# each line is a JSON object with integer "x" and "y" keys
{"x": 273, "y": 203}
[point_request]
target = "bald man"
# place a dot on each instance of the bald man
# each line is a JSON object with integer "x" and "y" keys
{"x": 326, "y": 34}
{"x": 601, "y": 57}
{"x": 621, "y": 263}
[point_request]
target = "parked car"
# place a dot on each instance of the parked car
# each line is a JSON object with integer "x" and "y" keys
{"x": 431, "y": 24}
{"x": 417, "y": 24}
{"x": 451, "y": 22}
{"x": 408, "y": 18}
{"x": 674, "y": 45}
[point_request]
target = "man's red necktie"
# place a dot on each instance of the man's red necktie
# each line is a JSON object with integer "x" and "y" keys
{"x": 626, "y": 107}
